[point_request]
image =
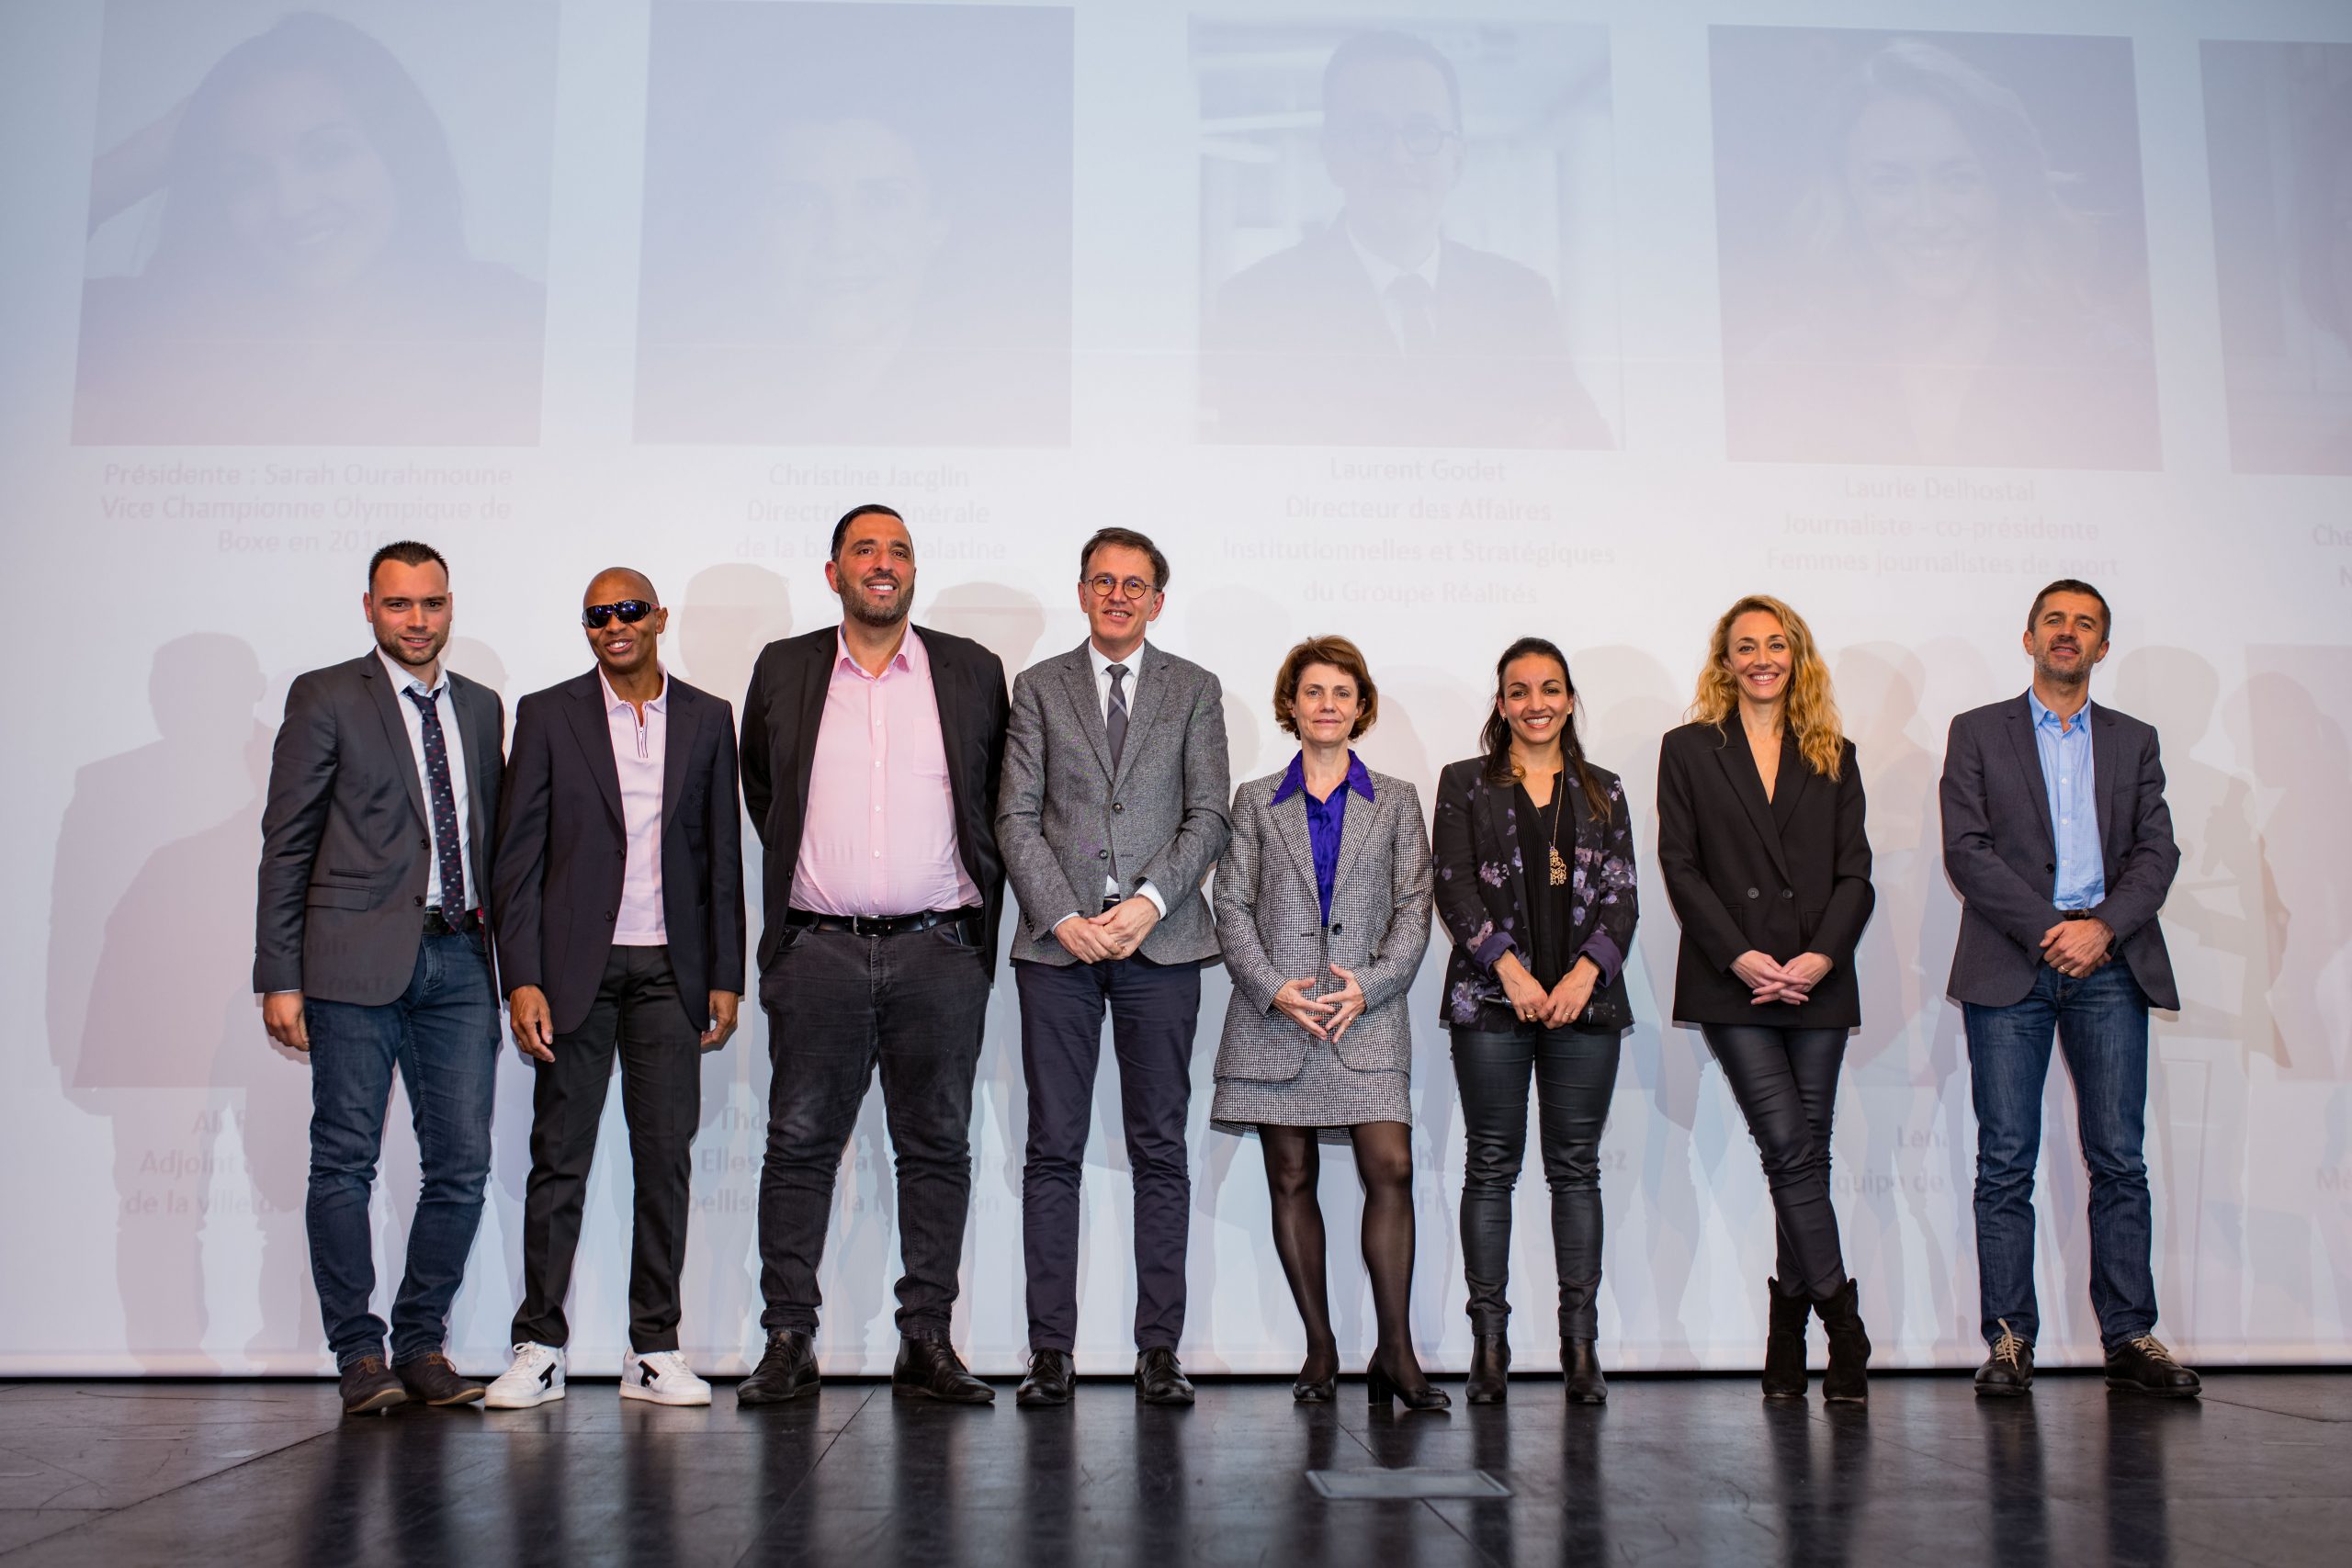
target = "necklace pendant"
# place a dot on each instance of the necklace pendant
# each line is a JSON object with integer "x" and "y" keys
{"x": 1559, "y": 868}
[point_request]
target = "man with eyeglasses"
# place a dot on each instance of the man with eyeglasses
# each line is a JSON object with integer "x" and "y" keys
{"x": 1377, "y": 328}
{"x": 871, "y": 751}
{"x": 617, "y": 897}
{"x": 1111, "y": 812}
{"x": 371, "y": 958}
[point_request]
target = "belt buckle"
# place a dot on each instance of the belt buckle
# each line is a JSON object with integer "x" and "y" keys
{"x": 864, "y": 925}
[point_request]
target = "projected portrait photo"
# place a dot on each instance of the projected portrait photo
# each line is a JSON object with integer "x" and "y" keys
{"x": 857, "y": 226}
{"x": 1932, "y": 250}
{"x": 1406, "y": 235}
{"x": 315, "y": 228}
{"x": 2279, "y": 150}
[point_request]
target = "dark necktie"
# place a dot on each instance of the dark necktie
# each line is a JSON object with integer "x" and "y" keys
{"x": 444, "y": 802}
{"x": 1415, "y": 327}
{"x": 1115, "y": 721}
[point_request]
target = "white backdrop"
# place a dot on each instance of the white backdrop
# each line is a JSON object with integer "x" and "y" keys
{"x": 1001, "y": 246}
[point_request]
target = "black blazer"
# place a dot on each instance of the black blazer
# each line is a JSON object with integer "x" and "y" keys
{"x": 1783, "y": 876}
{"x": 346, "y": 839}
{"x": 1482, "y": 892}
{"x": 2000, "y": 855}
{"x": 781, "y": 712}
{"x": 563, "y": 850}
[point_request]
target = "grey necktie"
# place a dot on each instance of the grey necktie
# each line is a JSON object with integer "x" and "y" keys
{"x": 1115, "y": 720}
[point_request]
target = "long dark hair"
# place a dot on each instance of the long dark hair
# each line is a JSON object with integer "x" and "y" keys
{"x": 1495, "y": 737}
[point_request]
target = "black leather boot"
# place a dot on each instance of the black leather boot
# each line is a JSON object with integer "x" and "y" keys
{"x": 1785, "y": 1375}
{"x": 1489, "y": 1369}
{"x": 1581, "y": 1366}
{"x": 1847, "y": 1378}
{"x": 787, "y": 1369}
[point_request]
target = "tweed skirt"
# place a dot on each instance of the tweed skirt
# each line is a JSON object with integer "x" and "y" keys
{"x": 1327, "y": 1095}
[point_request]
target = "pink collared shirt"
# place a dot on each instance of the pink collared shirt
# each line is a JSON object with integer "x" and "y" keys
{"x": 637, "y": 752}
{"x": 879, "y": 834}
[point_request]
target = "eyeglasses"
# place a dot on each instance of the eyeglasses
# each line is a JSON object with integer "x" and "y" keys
{"x": 1369, "y": 136}
{"x": 631, "y": 611}
{"x": 1125, "y": 588}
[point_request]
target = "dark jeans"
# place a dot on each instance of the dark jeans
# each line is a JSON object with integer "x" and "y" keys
{"x": 838, "y": 1005}
{"x": 1786, "y": 1083}
{"x": 1154, "y": 1012}
{"x": 637, "y": 1015}
{"x": 441, "y": 1036}
{"x": 2102, "y": 1023}
{"x": 1575, "y": 1073}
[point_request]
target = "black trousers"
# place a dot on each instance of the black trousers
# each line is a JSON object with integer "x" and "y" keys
{"x": 1786, "y": 1083}
{"x": 638, "y": 1016}
{"x": 1575, "y": 1073}
{"x": 839, "y": 1005}
{"x": 1154, "y": 1012}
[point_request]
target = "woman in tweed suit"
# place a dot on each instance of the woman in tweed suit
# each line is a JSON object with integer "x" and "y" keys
{"x": 1323, "y": 913}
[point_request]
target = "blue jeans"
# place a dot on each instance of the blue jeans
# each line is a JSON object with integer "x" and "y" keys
{"x": 2102, "y": 1023}
{"x": 441, "y": 1036}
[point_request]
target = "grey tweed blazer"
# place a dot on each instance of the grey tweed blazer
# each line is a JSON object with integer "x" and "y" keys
{"x": 1268, "y": 923}
{"x": 1065, "y": 819}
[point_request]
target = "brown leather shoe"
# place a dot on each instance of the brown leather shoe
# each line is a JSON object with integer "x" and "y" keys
{"x": 369, "y": 1386}
{"x": 2007, "y": 1373}
{"x": 1160, "y": 1379}
{"x": 2143, "y": 1366}
{"x": 430, "y": 1379}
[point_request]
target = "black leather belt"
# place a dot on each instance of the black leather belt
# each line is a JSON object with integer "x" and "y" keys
{"x": 467, "y": 923}
{"x": 875, "y": 925}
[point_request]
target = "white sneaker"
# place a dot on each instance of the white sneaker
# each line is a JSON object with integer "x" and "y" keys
{"x": 535, "y": 1378}
{"x": 663, "y": 1377}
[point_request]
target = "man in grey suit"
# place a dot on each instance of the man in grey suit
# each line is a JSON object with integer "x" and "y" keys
{"x": 2057, "y": 837}
{"x": 1111, "y": 811}
{"x": 372, "y": 958}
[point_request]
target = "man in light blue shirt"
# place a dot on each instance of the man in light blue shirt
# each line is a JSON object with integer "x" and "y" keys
{"x": 2063, "y": 742}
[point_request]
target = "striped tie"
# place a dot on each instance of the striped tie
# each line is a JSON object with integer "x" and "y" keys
{"x": 1116, "y": 720}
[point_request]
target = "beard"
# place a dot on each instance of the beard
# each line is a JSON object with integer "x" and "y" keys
{"x": 398, "y": 654}
{"x": 859, "y": 609}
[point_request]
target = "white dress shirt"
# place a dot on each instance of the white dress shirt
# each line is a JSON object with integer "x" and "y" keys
{"x": 1102, "y": 663}
{"x": 405, "y": 679}
{"x": 639, "y": 746}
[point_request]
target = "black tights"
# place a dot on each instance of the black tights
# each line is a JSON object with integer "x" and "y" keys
{"x": 1385, "y": 1164}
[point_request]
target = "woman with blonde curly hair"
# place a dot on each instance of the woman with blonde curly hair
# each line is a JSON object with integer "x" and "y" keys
{"x": 1760, "y": 837}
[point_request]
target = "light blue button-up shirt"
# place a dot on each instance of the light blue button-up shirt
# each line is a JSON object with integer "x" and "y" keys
{"x": 2066, "y": 773}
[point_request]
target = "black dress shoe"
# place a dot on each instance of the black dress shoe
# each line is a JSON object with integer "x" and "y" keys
{"x": 368, "y": 1385}
{"x": 1580, "y": 1364}
{"x": 430, "y": 1379}
{"x": 1315, "y": 1390}
{"x": 1489, "y": 1369}
{"x": 787, "y": 1369}
{"x": 2145, "y": 1366}
{"x": 2009, "y": 1371}
{"x": 1160, "y": 1379}
{"x": 1051, "y": 1381}
{"x": 1380, "y": 1388}
{"x": 929, "y": 1368}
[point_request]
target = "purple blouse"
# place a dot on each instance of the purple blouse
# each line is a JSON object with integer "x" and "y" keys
{"x": 1325, "y": 819}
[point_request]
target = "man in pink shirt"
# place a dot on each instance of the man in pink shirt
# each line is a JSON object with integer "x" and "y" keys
{"x": 617, "y": 900}
{"x": 871, "y": 754}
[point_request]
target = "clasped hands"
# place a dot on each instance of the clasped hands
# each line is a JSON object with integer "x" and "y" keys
{"x": 2074, "y": 948}
{"x": 534, "y": 1024}
{"x": 1115, "y": 933}
{"x": 1328, "y": 1016}
{"x": 1555, "y": 1009}
{"x": 1773, "y": 981}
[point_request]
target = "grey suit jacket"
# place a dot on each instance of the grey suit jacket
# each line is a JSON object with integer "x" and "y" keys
{"x": 1065, "y": 820}
{"x": 2001, "y": 856}
{"x": 346, "y": 839}
{"x": 1270, "y": 922}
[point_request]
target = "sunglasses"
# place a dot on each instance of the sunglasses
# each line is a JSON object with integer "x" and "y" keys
{"x": 631, "y": 611}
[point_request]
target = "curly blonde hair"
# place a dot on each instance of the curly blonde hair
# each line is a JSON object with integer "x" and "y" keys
{"x": 1810, "y": 709}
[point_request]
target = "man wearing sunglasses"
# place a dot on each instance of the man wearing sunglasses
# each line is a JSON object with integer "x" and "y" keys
{"x": 1375, "y": 328}
{"x": 870, "y": 758}
{"x": 618, "y": 901}
{"x": 1112, "y": 809}
{"x": 371, "y": 958}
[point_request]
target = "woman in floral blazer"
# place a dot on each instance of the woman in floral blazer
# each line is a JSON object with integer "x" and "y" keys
{"x": 1533, "y": 855}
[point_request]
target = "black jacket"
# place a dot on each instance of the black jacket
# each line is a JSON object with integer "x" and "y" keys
{"x": 1783, "y": 876}
{"x": 563, "y": 849}
{"x": 781, "y": 713}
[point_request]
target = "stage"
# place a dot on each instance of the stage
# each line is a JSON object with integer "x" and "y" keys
{"x": 1674, "y": 1469}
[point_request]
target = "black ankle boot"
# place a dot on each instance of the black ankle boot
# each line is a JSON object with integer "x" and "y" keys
{"x": 1582, "y": 1367}
{"x": 1784, "y": 1376}
{"x": 1847, "y": 1378}
{"x": 1489, "y": 1369}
